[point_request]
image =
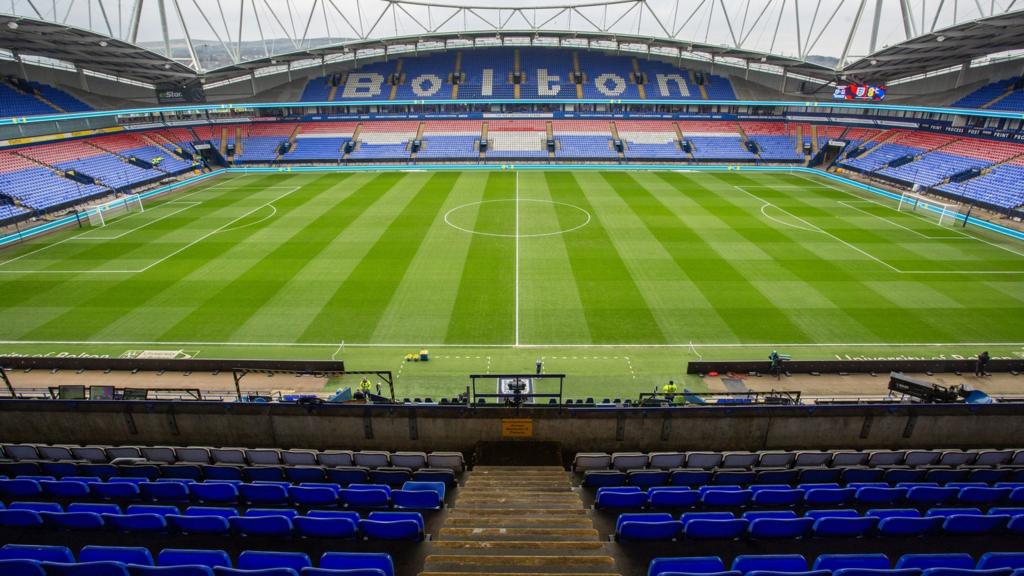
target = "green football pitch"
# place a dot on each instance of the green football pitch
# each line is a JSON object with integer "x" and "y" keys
{"x": 616, "y": 278}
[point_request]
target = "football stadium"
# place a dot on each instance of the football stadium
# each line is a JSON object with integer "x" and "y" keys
{"x": 465, "y": 287}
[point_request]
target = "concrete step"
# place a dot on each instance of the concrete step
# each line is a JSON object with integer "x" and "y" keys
{"x": 523, "y": 504}
{"x": 505, "y": 563}
{"x": 483, "y": 512}
{"x": 491, "y": 496}
{"x": 511, "y": 522}
{"x": 516, "y": 573}
{"x": 549, "y": 535}
{"x": 517, "y": 547}
{"x": 518, "y": 469}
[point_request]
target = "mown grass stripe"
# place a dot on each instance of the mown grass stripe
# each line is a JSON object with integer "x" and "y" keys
{"x": 357, "y": 305}
{"x": 88, "y": 316}
{"x": 484, "y": 303}
{"x": 224, "y": 311}
{"x": 740, "y": 305}
{"x": 612, "y": 303}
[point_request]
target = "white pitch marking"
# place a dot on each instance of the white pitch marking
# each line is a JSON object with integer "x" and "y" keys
{"x": 888, "y": 221}
{"x": 447, "y": 345}
{"x": 87, "y": 235}
{"x": 517, "y": 258}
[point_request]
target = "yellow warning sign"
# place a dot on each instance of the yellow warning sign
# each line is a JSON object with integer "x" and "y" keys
{"x": 516, "y": 428}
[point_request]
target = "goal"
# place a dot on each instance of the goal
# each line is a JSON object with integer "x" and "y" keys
{"x": 946, "y": 213}
{"x": 100, "y": 215}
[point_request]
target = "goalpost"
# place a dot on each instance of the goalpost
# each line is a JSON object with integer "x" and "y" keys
{"x": 948, "y": 213}
{"x": 99, "y": 216}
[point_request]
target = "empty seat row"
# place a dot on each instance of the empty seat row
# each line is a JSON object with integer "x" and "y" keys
{"x": 809, "y": 495}
{"x": 844, "y": 475}
{"x": 797, "y": 459}
{"x": 421, "y": 495}
{"x": 19, "y": 559}
{"x": 839, "y": 564}
{"x": 199, "y": 520}
{"x": 779, "y": 524}
{"x": 340, "y": 475}
{"x": 237, "y": 456}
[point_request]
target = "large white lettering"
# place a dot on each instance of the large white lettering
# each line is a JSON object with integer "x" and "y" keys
{"x": 487, "y": 84}
{"x": 363, "y": 85}
{"x": 547, "y": 84}
{"x": 664, "y": 79}
{"x": 618, "y": 84}
{"x": 433, "y": 85}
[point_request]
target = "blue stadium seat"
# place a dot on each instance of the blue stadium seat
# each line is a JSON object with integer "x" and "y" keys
{"x": 701, "y": 529}
{"x": 312, "y": 496}
{"x": 883, "y": 513}
{"x": 124, "y": 554}
{"x": 164, "y": 491}
{"x": 725, "y": 498}
{"x": 97, "y": 508}
{"x": 439, "y": 487}
{"x": 829, "y": 496}
{"x": 73, "y": 520}
{"x": 874, "y": 572}
{"x": 262, "y": 525}
{"x": 264, "y": 494}
{"x": 686, "y": 565}
{"x": 36, "y": 552}
{"x": 672, "y": 497}
{"x": 692, "y": 478}
{"x": 926, "y": 561}
{"x": 990, "y": 560}
{"x": 416, "y": 499}
{"x": 323, "y": 527}
{"x": 20, "y": 488}
{"x": 908, "y": 526}
{"x": 647, "y": 478}
{"x": 289, "y": 513}
{"x": 36, "y": 506}
{"x": 258, "y": 560}
{"x": 21, "y": 568}
{"x": 65, "y": 489}
{"x": 20, "y": 519}
{"x": 392, "y": 526}
{"x": 931, "y": 495}
{"x": 192, "y": 524}
{"x": 647, "y": 526}
{"x": 115, "y": 490}
{"x": 771, "y": 562}
{"x": 185, "y": 570}
{"x": 947, "y": 512}
{"x": 228, "y": 473}
{"x": 982, "y": 496}
{"x": 839, "y": 561}
{"x": 624, "y": 497}
{"x": 974, "y": 523}
{"x": 878, "y": 495}
{"x": 967, "y": 572}
{"x": 214, "y": 492}
{"x": 85, "y": 569}
{"x": 832, "y": 513}
{"x": 219, "y": 571}
{"x": 770, "y": 528}
{"x": 185, "y": 557}
{"x": 347, "y": 475}
{"x": 789, "y": 497}
{"x": 840, "y": 527}
{"x": 362, "y": 498}
{"x": 357, "y": 561}
{"x": 302, "y": 474}
{"x": 263, "y": 473}
{"x": 158, "y": 509}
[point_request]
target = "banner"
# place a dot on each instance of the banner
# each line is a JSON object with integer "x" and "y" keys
{"x": 180, "y": 92}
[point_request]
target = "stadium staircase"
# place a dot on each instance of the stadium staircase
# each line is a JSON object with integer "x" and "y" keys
{"x": 615, "y": 136}
{"x": 455, "y": 74}
{"x": 799, "y": 141}
{"x": 551, "y": 136}
{"x": 518, "y": 520}
{"x": 36, "y": 95}
{"x": 1000, "y": 98}
{"x": 398, "y": 74}
{"x": 419, "y": 137}
{"x": 576, "y": 69}
{"x": 637, "y": 75}
{"x": 814, "y": 139}
{"x": 333, "y": 91}
{"x": 703, "y": 89}
{"x": 153, "y": 141}
{"x": 291, "y": 141}
{"x": 876, "y": 141}
{"x": 516, "y": 88}
{"x": 355, "y": 140}
{"x": 483, "y": 138}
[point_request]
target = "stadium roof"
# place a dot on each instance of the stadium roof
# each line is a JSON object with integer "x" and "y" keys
{"x": 223, "y": 39}
{"x": 89, "y": 50}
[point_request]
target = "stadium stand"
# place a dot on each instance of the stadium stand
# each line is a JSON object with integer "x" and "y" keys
{"x": 1006, "y": 94}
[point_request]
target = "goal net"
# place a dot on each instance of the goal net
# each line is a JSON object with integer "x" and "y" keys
{"x": 103, "y": 213}
{"x": 945, "y": 213}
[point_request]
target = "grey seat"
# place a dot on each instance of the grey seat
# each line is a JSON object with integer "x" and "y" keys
{"x": 629, "y": 460}
{"x": 163, "y": 454}
{"x": 886, "y": 457}
{"x": 335, "y": 458}
{"x": 844, "y": 458}
{"x": 450, "y": 460}
{"x": 812, "y": 459}
{"x": 584, "y": 461}
{"x": 739, "y": 460}
{"x": 295, "y": 457}
{"x": 922, "y": 457}
{"x": 705, "y": 460}
{"x": 263, "y": 456}
{"x": 94, "y": 454}
{"x": 411, "y": 460}
{"x": 957, "y": 458}
{"x": 667, "y": 460}
{"x": 54, "y": 452}
{"x": 372, "y": 458}
{"x": 1018, "y": 458}
{"x": 234, "y": 456}
{"x": 779, "y": 459}
{"x": 993, "y": 457}
{"x": 21, "y": 451}
{"x": 193, "y": 454}
{"x": 114, "y": 452}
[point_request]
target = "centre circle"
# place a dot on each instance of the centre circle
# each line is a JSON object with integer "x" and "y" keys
{"x": 523, "y": 218}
